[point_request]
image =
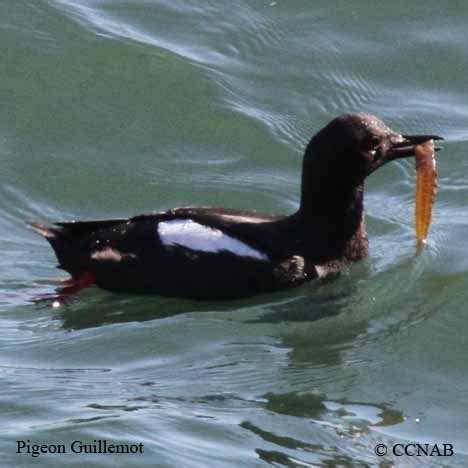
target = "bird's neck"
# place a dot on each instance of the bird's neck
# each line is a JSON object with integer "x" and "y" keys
{"x": 332, "y": 216}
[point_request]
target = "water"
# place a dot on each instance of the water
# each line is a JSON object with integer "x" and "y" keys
{"x": 113, "y": 108}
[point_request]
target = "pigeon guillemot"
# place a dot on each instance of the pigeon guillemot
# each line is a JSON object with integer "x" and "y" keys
{"x": 219, "y": 253}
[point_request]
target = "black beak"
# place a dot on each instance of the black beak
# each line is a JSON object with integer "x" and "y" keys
{"x": 404, "y": 148}
{"x": 400, "y": 146}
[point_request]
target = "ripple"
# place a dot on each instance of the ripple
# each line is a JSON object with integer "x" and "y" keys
{"x": 111, "y": 107}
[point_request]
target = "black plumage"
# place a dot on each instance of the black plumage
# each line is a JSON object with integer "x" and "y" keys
{"x": 326, "y": 233}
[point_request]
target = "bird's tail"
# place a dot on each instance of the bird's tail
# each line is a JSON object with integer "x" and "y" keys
{"x": 43, "y": 229}
{"x": 67, "y": 247}
{"x": 70, "y": 241}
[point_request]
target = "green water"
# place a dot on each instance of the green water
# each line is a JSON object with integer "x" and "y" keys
{"x": 113, "y": 108}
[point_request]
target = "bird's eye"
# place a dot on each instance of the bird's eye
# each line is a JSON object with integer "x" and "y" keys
{"x": 371, "y": 144}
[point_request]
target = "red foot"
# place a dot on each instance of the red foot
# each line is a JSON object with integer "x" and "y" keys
{"x": 68, "y": 282}
{"x": 77, "y": 283}
{"x": 70, "y": 287}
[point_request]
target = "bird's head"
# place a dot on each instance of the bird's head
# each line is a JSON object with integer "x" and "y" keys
{"x": 341, "y": 155}
{"x": 355, "y": 145}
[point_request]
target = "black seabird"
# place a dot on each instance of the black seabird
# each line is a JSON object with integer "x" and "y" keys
{"x": 219, "y": 253}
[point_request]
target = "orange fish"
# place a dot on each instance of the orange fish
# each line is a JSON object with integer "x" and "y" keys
{"x": 426, "y": 186}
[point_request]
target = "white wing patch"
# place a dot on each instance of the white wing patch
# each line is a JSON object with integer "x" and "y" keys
{"x": 195, "y": 236}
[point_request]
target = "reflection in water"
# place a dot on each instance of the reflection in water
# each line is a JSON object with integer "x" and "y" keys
{"x": 344, "y": 418}
{"x": 120, "y": 309}
{"x": 329, "y": 460}
{"x": 283, "y": 441}
{"x": 353, "y": 421}
{"x": 318, "y": 407}
{"x": 95, "y": 307}
{"x": 308, "y": 405}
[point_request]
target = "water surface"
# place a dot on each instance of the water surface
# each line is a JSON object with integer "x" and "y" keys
{"x": 113, "y": 108}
